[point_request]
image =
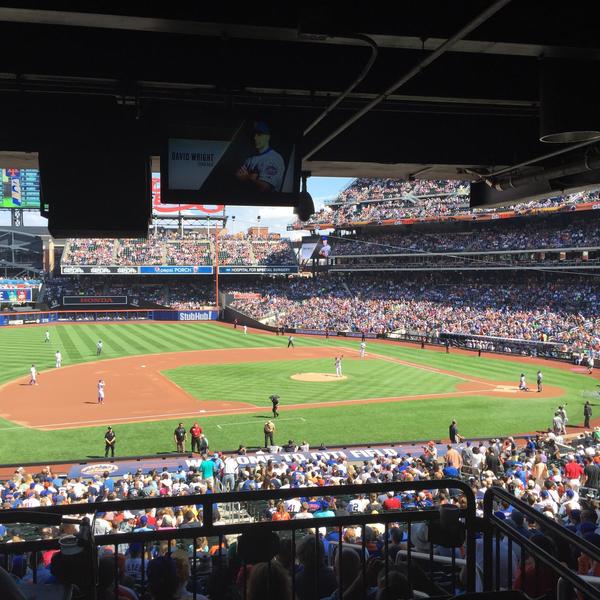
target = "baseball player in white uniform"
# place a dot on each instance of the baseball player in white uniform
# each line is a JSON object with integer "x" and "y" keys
{"x": 363, "y": 347}
{"x": 245, "y": 329}
{"x": 590, "y": 363}
{"x": 266, "y": 169}
{"x": 99, "y": 348}
{"x": 101, "y": 391}
{"x": 522, "y": 383}
{"x": 47, "y": 336}
{"x": 33, "y": 379}
{"x": 58, "y": 357}
{"x": 338, "y": 366}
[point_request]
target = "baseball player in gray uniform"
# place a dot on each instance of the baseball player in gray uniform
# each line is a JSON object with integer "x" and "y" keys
{"x": 265, "y": 170}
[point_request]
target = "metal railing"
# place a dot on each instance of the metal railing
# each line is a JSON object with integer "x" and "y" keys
{"x": 291, "y": 529}
{"x": 497, "y": 528}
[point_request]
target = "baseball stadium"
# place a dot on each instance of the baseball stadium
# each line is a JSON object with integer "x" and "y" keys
{"x": 410, "y": 356}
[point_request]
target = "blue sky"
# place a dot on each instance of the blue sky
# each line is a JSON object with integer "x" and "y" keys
{"x": 276, "y": 218}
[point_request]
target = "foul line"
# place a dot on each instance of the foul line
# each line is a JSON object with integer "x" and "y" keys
{"x": 254, "y": 422}
{"x": 418, "y": 366}
{"x": 247, "y": 409}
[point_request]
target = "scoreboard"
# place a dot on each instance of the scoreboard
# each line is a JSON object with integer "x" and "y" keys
{"x": 20, "y": 188}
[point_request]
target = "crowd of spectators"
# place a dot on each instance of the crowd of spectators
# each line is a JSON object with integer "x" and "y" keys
{"x": 190, "y": 296}
{"x": 373, "y": 200}
{"x": 188, "y": 252}
{"x": 579, "y": 234}
{"x": 81, "y": 251}
{"x": 139, "y": 252}
{"x": 136, "y": 292}
{"x": 180, "y": 247}
{"x": 365, "y": 189}
{"x": 235, "y": 250}
{"x": 519, "y": 308}
{"x": 273, "y": 252}
{"x": 57, "y": 287}
{"x": 537, "y": 471}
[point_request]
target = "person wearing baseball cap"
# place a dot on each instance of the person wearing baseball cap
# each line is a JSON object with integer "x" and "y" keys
{"x": 109, "y": 442}
{"x": 265, "y": 170}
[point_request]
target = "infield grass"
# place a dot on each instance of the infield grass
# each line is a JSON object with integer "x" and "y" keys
{"x": 255, "y": 382}
{"x": 356, "y": 423}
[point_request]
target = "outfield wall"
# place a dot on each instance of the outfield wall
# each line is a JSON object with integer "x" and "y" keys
{"x": 86, "y": 316}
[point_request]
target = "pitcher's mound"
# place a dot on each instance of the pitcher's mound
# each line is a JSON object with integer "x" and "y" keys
{"x": 317, "y": 377}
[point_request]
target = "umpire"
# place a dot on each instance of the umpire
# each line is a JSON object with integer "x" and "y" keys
{"x": 275, "y": 401}
{"x": 587, "y": 413}
{"x": 109, "y": 442}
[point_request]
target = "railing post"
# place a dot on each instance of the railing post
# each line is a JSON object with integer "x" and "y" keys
{"x": 488, "y": 561}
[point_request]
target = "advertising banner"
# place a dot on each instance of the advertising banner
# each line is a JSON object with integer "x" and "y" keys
{"x": 141, "y": 270}
{"x": 198, "y": 315}
{"x": 119, "y": 468}
{"x": 15, "y": 295}
{"x": 93, "y": 270}
{"x": 177, "y": 270}
{"x": 79, "y": 300}
{"x": 359, "y": 334}
{"x": 253, "y": 270}
{"x": 186, "y": 209}
{"x": 312, "y": 332}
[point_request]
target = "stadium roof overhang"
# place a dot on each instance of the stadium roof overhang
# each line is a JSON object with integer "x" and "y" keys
{"x": 472, "y": 111}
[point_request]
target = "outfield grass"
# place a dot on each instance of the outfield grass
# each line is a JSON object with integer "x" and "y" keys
{"x": 477, "y": 416}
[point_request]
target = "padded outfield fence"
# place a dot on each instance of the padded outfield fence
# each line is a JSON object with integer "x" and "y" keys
{"x": 89, "y": 316}
{"x": 475, "y": 343}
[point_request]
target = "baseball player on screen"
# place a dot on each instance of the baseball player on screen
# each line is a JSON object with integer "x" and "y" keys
{"x": 264, "y": 170}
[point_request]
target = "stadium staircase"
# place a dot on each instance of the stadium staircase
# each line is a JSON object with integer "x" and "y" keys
{"x": 41, "y": 294}
{"x": 253, "y": 260}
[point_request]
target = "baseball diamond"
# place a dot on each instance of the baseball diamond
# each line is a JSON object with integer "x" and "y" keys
{"x": 219, "y": 374}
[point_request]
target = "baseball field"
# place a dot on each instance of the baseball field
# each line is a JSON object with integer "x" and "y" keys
{"x": 158, "y": 374}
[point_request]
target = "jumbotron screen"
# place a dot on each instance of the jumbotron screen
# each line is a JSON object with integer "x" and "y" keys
{"x": 20, "y": 188}
{"x": 15, "y": 295}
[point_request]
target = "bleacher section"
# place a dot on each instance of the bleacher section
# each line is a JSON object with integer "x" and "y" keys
{"x": 511, "y": 306}
{"x": 173, "y": 249}
{"x": 391, "y": 201}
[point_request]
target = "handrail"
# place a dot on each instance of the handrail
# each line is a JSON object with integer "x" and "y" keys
{"x": 494, "y": 523}
{"x": 208, "y": 528}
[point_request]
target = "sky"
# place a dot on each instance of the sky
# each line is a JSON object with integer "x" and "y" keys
{"x": 276, "y": 218}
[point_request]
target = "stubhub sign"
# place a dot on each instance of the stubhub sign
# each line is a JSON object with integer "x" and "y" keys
{"x": 198, "y": 315}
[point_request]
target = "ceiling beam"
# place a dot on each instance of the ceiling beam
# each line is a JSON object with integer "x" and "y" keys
{"x": 281, "y": 34}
